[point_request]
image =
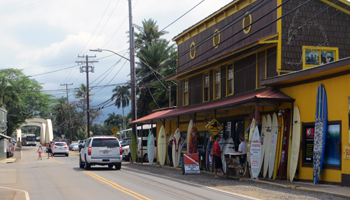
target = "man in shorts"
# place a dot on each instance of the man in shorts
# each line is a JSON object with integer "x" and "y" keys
{"x": 217, "y": 156}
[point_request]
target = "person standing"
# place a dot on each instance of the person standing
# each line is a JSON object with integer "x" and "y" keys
{"x": 242, "y": 146}
{"x": 40, "y": 150}
{"x": 217, "y": 156}
{"x": 49, "y": 150}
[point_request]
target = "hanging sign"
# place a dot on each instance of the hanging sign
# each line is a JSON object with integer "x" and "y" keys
{"x": 214, "y": 127}
{"x": 191, "y": 165}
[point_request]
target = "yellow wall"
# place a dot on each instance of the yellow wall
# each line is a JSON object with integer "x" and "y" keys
{"x": 337, "y": 90}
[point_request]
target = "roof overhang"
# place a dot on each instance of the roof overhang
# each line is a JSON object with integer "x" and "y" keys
{"x": 330, "y": 70}
{"x": 264, "y": 97}
{"x": 2, "y": 136}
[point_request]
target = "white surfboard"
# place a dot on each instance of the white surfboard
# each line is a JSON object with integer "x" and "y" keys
{"x": 262, "y": 137}
{"x": 190, "y": 125}
{"x": 255, "y": 151}
{"x": 150, "y": 148}
{"x": 274, "y": 131}
{"x": 161, "y": 146}
{"x": 222, "y": 143}
{"x": 267, "y": 142}
{"x": 229, "y": 147}
{"x": 294, "y": 156}
{"x": 176, "y": 148}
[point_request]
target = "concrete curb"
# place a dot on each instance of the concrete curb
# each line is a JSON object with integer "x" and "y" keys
{"x": 293, "y": 187}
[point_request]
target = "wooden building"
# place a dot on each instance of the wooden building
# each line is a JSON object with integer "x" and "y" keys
{"x": 252, "y": 58}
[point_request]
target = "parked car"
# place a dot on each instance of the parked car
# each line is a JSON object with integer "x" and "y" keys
{"x": 60, "y": 148}
{"x": 125, "y": 142}
{"x": 126, "y": 153}
{"x": 74, "y": 147}
{"x": 100, "y": 150}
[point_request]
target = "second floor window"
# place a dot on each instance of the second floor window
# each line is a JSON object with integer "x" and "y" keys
{"x": 206, "y": 87}
{"x": 229, "y": 86}
{"x": 186, "y": 92}
{"x": 217, "y": 84}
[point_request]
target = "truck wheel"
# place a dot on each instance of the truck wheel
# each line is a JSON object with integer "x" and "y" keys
{"x": 118, "y": 166}
{"x": 87, "y": 166}
{"x": 145, "y": 158}
{"x": 81, "y": 164}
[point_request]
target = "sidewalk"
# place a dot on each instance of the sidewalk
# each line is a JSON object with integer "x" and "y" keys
{"x": 336, "y": 190}
{"x": 17, "y": 155}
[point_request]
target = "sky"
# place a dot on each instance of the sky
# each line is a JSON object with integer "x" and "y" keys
{"x": 45, "y": 37}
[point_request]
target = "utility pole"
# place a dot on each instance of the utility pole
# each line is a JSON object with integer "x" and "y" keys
{"x": 87, "y": 67}
{"x": 132, "y": 71}
{"x": 69, "y": 126}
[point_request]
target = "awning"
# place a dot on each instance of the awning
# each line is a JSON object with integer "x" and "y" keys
{"x": 263, "y": 96}
{"x": 2, "y": 136}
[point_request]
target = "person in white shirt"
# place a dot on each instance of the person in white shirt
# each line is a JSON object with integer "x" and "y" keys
{"x": 242, "y": 146}
{"x": 40, "y": 150}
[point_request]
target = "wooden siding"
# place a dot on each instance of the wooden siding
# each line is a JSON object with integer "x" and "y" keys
{"x": 261, "y": 67}
{"x": 272, "y": 62}
{"x": 315, "y": 24}
{"x": 179, "y": 93}
{"x": 195, "y": 89}
{"x": 244, "y": 74}
{"x": 206, "y": 52}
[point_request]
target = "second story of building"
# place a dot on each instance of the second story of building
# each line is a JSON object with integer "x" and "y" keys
{"x": 231, "y": 51}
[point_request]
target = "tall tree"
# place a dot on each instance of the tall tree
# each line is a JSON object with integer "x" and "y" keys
{"x": 121, "y": 95}
{"x": 147, "y": 33}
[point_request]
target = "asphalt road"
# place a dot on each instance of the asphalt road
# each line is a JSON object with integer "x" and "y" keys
{"x": 61, "y": 178}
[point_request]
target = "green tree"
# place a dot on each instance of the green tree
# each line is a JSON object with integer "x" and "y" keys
{"x": 121, "y": 95}
{"x": 22, "y": 97}
{"x": 114, "y": 120}
{"x": 147, "y": 33}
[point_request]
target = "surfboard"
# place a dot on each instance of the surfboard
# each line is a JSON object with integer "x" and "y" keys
{"x": 294, "y": 155}
{"x": 188, "y": 136}
{"x": 279, "y": 145}
{"x": 209, "y": 155}
{"x": 251, "y": 131}
{"x": 222, "y": 143}
{"x": 150, "y": 148}
{"x": 176, "y": 149}
{"x": 161, "y": 146}
{"x": 133, "y": 147}
{"x": 285, "y": 144}
{"x": 267, "y": 141}
{"x": 274, "y": 130}
{"x": 262, "y": 135}
{"x": 320, "y": 132}
{"x": 255, "y": 151}
{"x": 192, "y": 141}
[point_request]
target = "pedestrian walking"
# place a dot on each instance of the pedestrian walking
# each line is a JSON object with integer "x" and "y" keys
{"x": 40, "y": 150}
{"x": 49, "y": 150}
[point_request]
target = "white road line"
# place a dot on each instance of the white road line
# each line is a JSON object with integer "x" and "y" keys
{"x": 25, "y": 192}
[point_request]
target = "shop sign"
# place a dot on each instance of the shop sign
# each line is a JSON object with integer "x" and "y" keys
{"x": 309, "y": 144}
{"x": 214, "y": 127}
{"x": 191, "y": 164}
{"x": 346, "y": 152}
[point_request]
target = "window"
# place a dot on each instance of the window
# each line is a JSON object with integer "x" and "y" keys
{"x": 185, "y": 98}
{"x": 246, "y": 23}
{"x": 229, "y": 85}
{"x": 217, "y": 83}
{"x": 193, "y": 50}
{"x": 332, "y": 153}
{"x": 314, "y": 56}
{"x": 216, "y": 38}
{"x": 206, "y": 88}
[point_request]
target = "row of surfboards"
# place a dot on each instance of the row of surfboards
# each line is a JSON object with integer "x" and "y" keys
{"x": 270, "y": 156}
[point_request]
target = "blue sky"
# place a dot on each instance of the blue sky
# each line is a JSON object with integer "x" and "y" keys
{"x": 41, "y": 36}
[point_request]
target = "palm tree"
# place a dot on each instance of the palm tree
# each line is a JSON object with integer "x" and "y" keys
{"x": 81, "y": 92}
{"x": 122, "y": 98}
{"x": 147, "y": 33}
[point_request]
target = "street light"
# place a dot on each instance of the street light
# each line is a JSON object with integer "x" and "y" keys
{"x": 133, "y": 84}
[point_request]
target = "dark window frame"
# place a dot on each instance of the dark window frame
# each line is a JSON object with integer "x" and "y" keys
{"x": 324, "y": 166}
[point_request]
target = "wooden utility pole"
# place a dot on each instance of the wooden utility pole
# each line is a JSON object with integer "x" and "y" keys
{"x": 87, "y": 67}
{"x": 132, "y": 71}
{"x": 69, "y": 125}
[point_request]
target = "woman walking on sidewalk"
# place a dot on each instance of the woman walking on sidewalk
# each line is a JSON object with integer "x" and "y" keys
{"x": 40, "y": 150}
